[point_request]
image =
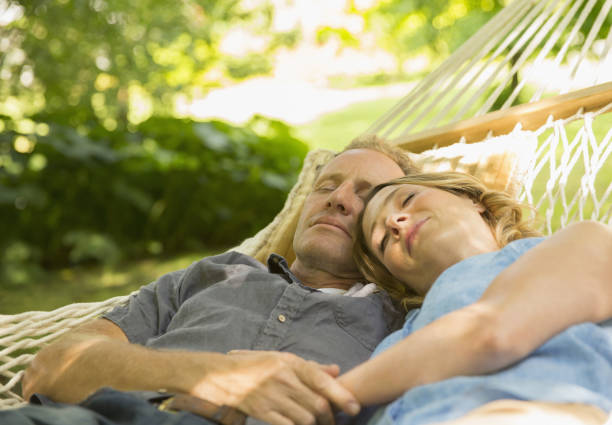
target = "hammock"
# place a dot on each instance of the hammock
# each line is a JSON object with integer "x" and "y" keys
{"x": 552, "y": 151}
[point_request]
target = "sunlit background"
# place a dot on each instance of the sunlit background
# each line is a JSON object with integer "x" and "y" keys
{"x": 138, "y": 136}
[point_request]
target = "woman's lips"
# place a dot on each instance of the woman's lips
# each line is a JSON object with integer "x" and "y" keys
{"x": 412, "y": 234}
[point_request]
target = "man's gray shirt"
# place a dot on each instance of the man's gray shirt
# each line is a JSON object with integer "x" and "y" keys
{"x": 231, "y": 301}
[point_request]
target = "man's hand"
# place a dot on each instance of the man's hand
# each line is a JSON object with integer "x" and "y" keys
{"x": 279, "y": 388}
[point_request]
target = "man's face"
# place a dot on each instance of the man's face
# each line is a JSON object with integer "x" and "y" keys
{"x": 323, "y": 238}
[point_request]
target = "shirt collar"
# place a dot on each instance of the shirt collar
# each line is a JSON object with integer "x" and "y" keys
{"x": 278, "y": 265}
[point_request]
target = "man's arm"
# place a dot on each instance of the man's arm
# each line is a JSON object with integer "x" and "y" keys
{"x": 279, "y": 388}
{"x": 563, "y": 281}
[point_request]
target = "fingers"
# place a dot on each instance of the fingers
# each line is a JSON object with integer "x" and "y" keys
{"x": 275, "y": 418}
{"x": 298, "y": 414}
{"x": 288, "y": 402}
{"x": 315, "y": 404}
{"x": 331, "y": 369}
{"x": 322, "y": 383}
{"x": 285, "y": 389}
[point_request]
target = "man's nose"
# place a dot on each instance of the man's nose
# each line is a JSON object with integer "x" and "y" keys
{"x": 343, "y": 199}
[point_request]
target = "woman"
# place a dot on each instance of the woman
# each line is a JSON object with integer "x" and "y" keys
{"x": 469, "y": 257}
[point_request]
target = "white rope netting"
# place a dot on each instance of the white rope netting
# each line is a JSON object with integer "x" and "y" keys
{"x": 21, "y": 335}
{"x": 529, "y": 51}
{"x": 570, "y": 178}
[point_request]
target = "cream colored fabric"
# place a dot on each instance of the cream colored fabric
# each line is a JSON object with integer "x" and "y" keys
{"x": 500, "y": 162}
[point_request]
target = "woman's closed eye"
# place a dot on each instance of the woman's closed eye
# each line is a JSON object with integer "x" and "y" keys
{"x": 408, "y": 199}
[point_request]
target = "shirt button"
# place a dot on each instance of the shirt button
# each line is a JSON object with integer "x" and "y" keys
{"x": 281, "y": 318}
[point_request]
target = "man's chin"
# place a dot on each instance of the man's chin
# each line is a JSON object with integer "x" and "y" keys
{"x": 337, "y": 243}
{"x": 332, "y": 254}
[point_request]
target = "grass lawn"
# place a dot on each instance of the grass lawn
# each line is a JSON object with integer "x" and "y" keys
{"x": 336, "y": 129}
{"x": 84, "y": 284}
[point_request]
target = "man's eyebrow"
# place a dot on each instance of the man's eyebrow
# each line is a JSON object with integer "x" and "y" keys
{"x": 332, "y": 176}
{"x": 389, "y": 195}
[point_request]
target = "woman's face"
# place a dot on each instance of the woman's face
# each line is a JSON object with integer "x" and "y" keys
{"x": 417, "y": 232}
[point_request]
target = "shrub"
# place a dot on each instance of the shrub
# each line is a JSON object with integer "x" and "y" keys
{"x": 87, "y": 194}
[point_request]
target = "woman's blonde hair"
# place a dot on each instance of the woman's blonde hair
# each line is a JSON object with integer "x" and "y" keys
{"x": 503, "y": 214}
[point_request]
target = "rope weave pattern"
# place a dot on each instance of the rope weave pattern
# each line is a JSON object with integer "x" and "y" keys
{"x": 571, "y": 175}
{"x": 506, "y": 54}
{"x": 21, "y": 335}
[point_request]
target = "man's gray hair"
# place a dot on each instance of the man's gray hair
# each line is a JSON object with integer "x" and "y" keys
{"x": 376, "y": 143}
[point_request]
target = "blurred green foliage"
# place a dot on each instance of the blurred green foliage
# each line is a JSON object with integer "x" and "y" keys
{"x": 94, "y": 168}
{"x": 122, "y": 61}
{"x": 436, "y": 28}
{"x": 90, "y": 195}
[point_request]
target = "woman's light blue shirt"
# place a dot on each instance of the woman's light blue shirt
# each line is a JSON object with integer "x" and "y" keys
{"x": 574, "y": 366}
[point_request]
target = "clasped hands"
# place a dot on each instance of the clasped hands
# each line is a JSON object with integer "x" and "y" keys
{"x": 278, "y": 388}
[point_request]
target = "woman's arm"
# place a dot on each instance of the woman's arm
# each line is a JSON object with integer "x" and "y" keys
{"x": 563, "y": 281}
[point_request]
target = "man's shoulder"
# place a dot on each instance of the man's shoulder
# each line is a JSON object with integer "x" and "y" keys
{"x": 228, "y": 258}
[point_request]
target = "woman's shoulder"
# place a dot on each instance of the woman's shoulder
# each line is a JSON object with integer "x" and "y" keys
{"x": 520, "y": 246}
{"x": 464, "y": 282}
{"x": 489, "y": 263}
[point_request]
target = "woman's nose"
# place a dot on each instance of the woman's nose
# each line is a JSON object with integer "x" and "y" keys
{"x": 395, "y": 222}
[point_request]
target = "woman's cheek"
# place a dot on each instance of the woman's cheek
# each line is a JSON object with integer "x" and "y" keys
{"x": 396, "y": 264}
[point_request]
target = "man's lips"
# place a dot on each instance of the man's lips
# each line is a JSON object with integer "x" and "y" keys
{"x": 412, "y": 234}
{"x": 332, "y": 222}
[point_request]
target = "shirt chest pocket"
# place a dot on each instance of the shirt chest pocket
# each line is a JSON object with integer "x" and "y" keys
{"x": 364, "y": 319}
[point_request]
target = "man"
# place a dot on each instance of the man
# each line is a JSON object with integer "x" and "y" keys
{"x": 180, "y": 332}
